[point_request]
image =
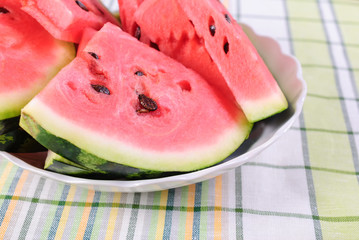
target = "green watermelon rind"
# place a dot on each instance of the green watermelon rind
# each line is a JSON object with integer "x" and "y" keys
{"x": 52, "y": 158}
{"x": 12, "y": 102}
{"x": 68, "y": 169}
{"x": 14, "y": 139}
{"x": 97, "y": 152}
{"x": 9, "y": 124}
{"x": 84, "y": 158}
{"x": 19, "y": 141}
{"x": 59, "y": 164}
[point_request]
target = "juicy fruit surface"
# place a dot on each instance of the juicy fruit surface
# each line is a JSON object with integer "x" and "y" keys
{"x": 127, "y": 10}
{"x": 191, "y": 127}
{"x": 176, "y": 37}
{"x": 87, "y": 34}
{"x": 223, "y": 53}
{"x": 66, "y": 19}
{"x": 252, "y": 84}
{"x": 29, "y": 58}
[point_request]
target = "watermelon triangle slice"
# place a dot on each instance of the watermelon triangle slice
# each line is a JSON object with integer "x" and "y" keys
{"x": 29, "y": 58}
{"x": 66, "y": 19}
{"x": 203, "y": 35}
{"x": 123, "y": 102}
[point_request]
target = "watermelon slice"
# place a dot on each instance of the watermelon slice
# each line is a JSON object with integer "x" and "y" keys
{"x": 29, "y": 58}
{"x": 58, "y": 164}
{"x": 203, "y": 35}
{"x": 123, "y": 103}
{"x": 66, "y": 19}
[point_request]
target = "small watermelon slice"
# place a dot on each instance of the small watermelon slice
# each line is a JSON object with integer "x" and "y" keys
{"x": 58, "y": 164}
{"x": 203, "y": 35}
{"x": 125, "y": 103}
{"x": 66, "y": 19}
{"x": 29, "y": 58}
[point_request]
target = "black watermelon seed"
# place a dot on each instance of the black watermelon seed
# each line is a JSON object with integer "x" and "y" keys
{"x": 212, "y": 29}
{"x": 100, "y": 89}
{"x": 154, "y": 45}
{"x": 226, "y": 16}
{"x": 94, "y": 55}
{"x": 226, "y": 47}
{"x": 147, "y": 103}
{"x": 81, "y": 5}
{"x": 139, "y": 73}
{"x": 3, "y": 10}
{"x": 138, "y": 33}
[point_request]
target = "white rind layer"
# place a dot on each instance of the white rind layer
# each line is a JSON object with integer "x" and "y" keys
{"x": 265, "y": 108}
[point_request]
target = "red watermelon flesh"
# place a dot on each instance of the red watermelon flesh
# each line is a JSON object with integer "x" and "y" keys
{"x": 127, "y": 10}
{"x": 204, "y": 36}
{"x": 29, "y": 58}
{"x": 103, "y": 103}
{"x": 87, "y": 34}
{"x": 66, "y": 19}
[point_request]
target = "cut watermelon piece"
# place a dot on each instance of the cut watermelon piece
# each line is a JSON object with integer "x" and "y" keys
{"x": 58, "y": 164}
{"x": 66, "y": 19}
{"x": 29, "y": 58}
{"x": 203, "y": 36}
{"x": 121, "y": 102}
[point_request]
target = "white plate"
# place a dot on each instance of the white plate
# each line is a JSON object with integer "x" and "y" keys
{"x": 286, "y": 70}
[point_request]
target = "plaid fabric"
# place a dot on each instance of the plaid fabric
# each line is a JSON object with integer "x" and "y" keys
{"x": 305, "y": 186}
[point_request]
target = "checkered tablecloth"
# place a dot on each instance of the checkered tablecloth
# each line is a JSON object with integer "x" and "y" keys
{"x": 305, "y": 186}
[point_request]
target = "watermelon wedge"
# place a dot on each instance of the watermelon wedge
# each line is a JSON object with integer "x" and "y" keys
{"x": 67, "y": 19}
{"x": 203, "y": 36}
{"x": 121, "y": 103}
{"x": 29, "y": 58}
{"x": 58, "y": 164}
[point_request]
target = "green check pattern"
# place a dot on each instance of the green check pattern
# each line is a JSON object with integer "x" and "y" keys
{"x": 305, "y": 186}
